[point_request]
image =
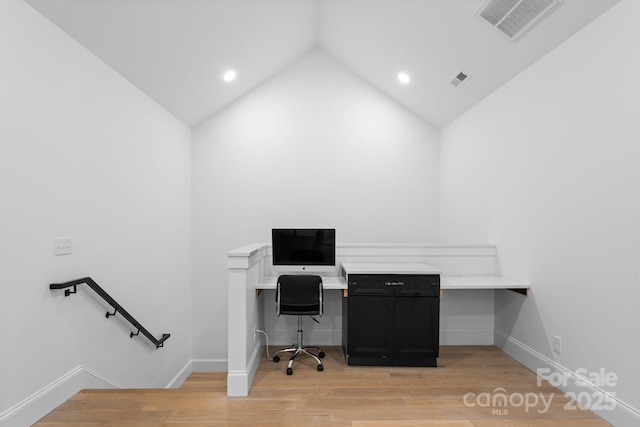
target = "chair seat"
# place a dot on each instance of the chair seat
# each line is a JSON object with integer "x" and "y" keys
{"x": 300, "y": 309}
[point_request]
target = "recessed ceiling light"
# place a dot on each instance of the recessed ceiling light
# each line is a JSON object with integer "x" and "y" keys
{"x": 229, "y": 76}
{"x": 404, "y": 78}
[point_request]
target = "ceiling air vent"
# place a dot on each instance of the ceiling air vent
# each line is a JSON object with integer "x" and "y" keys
{"x": 460, "y": 79}
{"x": 512, "y": 17}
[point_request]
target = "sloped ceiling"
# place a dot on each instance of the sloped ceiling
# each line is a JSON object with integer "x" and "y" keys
{"x": 176, "y": 51}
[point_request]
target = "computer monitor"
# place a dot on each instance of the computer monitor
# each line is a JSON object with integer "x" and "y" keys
{"x": 311, "y": 250}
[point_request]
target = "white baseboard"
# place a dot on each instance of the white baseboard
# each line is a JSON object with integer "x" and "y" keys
{"x": 53, "y": 395}
{"x": 181, "y": 376}
{"x": 619, "y": 414}
{"x": 197, "y": 365}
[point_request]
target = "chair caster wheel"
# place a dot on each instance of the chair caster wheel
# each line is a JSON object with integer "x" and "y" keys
{"x": 289, "y": 371}
{"x": 276, "y": 359}
{"x": 320, "y": 368}
{"x": 321, "y": 355}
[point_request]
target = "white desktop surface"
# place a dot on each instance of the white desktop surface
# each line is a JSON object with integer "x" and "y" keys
{"x": 481, "y": 282}
{"x": 339, "y": 282}
{"x": 328, "y": 282}
{"x": 446, "y": 282}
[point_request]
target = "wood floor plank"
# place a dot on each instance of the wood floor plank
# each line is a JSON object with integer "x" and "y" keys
{"x": 458, "y": 393}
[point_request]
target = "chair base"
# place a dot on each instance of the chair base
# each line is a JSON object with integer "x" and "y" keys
{"x": 298, "y": 349}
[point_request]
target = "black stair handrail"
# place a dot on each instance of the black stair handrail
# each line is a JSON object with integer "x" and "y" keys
{"x": 113, "y": 303}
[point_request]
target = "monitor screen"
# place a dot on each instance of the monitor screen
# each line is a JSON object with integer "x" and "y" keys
{"x": 304, "y": 246}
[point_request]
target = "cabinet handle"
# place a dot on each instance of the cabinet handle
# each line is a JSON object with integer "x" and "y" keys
{"x": 390, "y": 283}
{"x": 399, "y": 283}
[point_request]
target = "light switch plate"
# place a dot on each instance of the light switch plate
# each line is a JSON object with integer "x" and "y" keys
{"x": 62, "y": 245}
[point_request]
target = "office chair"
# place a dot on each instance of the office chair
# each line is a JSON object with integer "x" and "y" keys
{"x": 299, "y": 295}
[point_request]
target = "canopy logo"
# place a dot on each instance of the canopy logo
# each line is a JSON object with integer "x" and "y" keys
{"x": 499, "y": 401}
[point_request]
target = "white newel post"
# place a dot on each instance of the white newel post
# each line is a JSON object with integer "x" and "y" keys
{"x": 237, "y": 382}
{"x": 244, "y": 268}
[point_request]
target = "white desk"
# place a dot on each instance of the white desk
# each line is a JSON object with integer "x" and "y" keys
{"x": 340, "y": 282}
{"x": 446, "y": 282}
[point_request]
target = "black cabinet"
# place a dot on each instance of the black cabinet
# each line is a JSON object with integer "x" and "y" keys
{"x": 392, "y": 319}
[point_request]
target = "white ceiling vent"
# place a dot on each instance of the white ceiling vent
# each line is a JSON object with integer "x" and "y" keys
{"x": 460, "y": 79}
{"x": 512, "y": 17}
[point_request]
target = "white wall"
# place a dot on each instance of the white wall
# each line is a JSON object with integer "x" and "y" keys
{"x": 314, "y": 146}
{"x": 85, "y": 154}
{"x": 548, "y": 169}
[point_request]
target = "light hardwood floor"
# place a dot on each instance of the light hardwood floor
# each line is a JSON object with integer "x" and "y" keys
{"x": 341, "y": 396}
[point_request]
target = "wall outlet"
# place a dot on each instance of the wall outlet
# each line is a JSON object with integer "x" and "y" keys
{"x": 62, "y": 245}
{"x": 557, "y": 344}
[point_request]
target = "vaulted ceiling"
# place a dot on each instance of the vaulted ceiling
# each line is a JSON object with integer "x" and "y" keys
{"x": 176, "y": 51}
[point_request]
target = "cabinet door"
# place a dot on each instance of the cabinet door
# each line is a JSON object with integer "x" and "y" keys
{"x": 416, "y": 330}
{"x": 370, "y": 328}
